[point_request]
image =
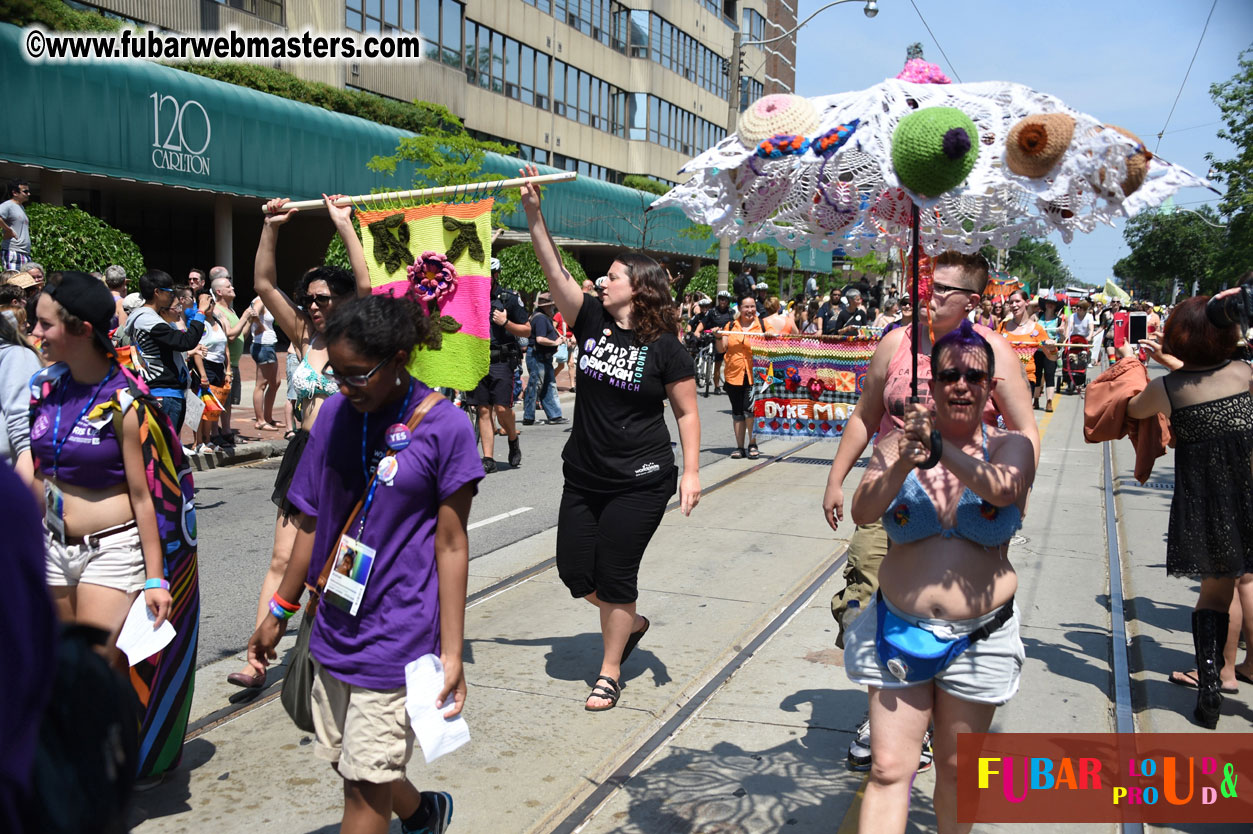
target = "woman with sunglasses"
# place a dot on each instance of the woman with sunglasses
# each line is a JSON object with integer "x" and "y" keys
{"x": 619, "y": 465}
{"x": 403, "y": 559}
{"x": 318, "y": 293}
{"x": 939, "y": 640}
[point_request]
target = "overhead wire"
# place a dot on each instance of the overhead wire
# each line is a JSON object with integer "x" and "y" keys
{"x": 951, "y": 68}
{"x": 1183, "y": 83}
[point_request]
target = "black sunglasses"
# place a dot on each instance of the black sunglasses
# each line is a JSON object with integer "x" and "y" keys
{"x": 974, "y": 376}
{"x": 321, "y": 300}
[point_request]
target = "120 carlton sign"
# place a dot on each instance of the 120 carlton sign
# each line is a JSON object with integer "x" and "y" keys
{"x": 180, "y": 135}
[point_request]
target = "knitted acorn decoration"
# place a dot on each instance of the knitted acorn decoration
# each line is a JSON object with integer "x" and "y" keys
{"x": 934, "y": 149}
{"x": 772, "y": 115}
{"x": 1036, "y": 144}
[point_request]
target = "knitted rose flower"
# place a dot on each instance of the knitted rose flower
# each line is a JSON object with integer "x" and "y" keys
{"x": 432, "y": 277}
{"x": 919, "y": 71}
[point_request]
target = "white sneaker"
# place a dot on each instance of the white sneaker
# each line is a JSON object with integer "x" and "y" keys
{"x": 859, "y": 748}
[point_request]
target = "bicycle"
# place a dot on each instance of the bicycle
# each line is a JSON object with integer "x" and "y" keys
{"x": 702, "y": 350}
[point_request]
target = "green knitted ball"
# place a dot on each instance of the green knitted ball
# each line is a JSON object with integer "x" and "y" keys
{"x": 934, "y": 149}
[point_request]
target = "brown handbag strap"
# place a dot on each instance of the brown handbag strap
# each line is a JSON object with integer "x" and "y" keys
{"x": 418, "y": 413}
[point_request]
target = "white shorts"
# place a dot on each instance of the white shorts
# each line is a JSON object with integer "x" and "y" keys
{"x": 986, "y": 673}
{"x": 114, "y": 560}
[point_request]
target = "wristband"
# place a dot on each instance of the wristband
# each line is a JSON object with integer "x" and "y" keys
{"x": 156, "y": 584}
{"x": 937, "y": 449}
{"x": 284, "y": 604}
{"x": 279, "y": 612}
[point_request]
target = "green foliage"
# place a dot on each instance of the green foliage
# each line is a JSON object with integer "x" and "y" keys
{"x": 520, "y": 269}
{"x": 65, "y": 237}
{"x": 870, "y": 264}
{"x": 337, "y": 253}
{"x": 705, "y": 280}
{"x": 418, "y": 117}
{"x": 641, "y": 183}
{"x": 445, "y": 154}
{"x": 1036, "y": 262}
{"x": 55, "y": 15}
{"x": 1234, "y": 98}
{"x": 1168, "y": 245}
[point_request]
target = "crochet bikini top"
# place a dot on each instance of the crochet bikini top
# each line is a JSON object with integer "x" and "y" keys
{"x": 913, "y": 517}
{"x": 308, "y": 383}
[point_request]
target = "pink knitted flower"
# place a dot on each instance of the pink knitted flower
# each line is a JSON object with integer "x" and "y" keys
{"x": 433, "y": 277}
{"x": 919, "y": 71}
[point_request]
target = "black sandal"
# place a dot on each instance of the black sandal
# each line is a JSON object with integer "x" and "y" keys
{"x": 738, "y": 454}
{"x": 634, "y": 639}
{"x": 610, "y": 692}
{"x": 753, "y": 451}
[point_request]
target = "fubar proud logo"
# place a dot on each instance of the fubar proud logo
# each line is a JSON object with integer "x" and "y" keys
{"x": 180, "y": 135}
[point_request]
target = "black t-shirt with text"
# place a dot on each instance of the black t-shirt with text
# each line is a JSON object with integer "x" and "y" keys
{"x": 620, "y": 440}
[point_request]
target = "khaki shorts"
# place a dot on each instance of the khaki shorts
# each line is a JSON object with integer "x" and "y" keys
{"x": 365, "y": 732}
{"x": 114, "y": 560}
{"x": 861, "y": 574}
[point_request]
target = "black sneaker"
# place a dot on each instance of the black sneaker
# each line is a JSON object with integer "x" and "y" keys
{"x": 515, "y": 453}
{"x": 489, "y": 466}
{"x": 440, "y": 817}
{"x": 859, "y": 749}
{"x": 557, "y": 421}
{"x": 529, "y": 422}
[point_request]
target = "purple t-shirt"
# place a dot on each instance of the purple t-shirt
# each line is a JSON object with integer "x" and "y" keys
{"x": 91, "y": 456}
{"x": 398, "y": 620}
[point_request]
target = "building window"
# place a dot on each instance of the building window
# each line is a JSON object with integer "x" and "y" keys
{"x": 754, "y": 25}
{"x": 271, "y": 10}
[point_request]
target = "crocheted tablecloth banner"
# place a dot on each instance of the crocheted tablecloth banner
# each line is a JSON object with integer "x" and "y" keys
{"x": 808, "y": 387}
{"x": 395, "y": 238}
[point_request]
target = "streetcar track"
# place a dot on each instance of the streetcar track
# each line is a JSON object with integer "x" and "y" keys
{"x": 273, "y": 689}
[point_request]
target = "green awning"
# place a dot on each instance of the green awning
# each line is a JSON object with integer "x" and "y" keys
{"x": 139, "y": 120}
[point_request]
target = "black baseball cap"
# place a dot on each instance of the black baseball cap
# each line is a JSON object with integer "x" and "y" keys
{"x": 86, "y": 298}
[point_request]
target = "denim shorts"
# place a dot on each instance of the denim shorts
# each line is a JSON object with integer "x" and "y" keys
{"x": 263, "y": 354}
{"x": 986, "y": 673}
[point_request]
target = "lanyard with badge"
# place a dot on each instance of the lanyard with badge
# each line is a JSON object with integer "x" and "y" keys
{"x": 54, "y": 498}
{"x": 353, "y": 560}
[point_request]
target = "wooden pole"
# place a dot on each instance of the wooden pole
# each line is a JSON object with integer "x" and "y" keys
{"x": 439, "y": 191}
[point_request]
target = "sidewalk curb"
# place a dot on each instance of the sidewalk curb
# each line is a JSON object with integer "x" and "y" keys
{"x": 243, "y": 453}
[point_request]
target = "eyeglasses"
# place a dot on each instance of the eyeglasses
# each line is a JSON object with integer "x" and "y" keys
{"x": 354, "y": 380}
{"x": 322, "y": 300}
{"x": 974, "y": 376}
{"x": 945, "y": 289}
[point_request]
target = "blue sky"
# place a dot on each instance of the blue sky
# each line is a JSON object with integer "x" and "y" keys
{"x": 1121, "y": 61}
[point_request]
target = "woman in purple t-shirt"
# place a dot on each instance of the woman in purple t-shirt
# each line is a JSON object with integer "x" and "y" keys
{"x": 397, "y": 590}
{"x": 100, "y": 525}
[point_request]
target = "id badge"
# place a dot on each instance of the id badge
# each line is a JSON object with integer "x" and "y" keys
{"x": 54, "y": 510}
{"x": 345, "y": 586}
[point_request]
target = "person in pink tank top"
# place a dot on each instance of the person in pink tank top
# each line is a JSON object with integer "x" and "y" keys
{"x": 959, "y": 282}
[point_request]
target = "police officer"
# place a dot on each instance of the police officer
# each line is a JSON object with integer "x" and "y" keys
{"x": 716, "y": 319}
{"x": 495, "y": 390}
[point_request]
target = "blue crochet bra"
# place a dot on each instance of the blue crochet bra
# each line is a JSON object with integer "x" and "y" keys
{"x": 912, "y": 515}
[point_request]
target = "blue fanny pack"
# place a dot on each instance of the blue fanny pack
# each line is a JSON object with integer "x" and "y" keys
{"x": 913, "y": 654}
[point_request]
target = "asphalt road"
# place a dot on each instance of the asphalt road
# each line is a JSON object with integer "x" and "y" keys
{"x": 236, "y": 518}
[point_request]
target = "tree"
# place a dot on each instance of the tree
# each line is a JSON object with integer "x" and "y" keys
{"x": 520, "y": 269}
{"x": 65, "y": 237}
{"x": 1166, "y": 246}
{"x": 445, "y": 154}
{"x": 1035, "y": 262}
{"x": 1234, "y": 98}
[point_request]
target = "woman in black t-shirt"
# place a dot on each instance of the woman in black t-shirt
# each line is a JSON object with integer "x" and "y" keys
{"x": 618, "y": 465}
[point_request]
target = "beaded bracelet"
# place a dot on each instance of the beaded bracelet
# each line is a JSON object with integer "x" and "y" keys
{"x": 156, "y": 584}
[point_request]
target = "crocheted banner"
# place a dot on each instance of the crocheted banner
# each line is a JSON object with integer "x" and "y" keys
{"x": 438, "y": 254}
{"x": 807, "y": 387}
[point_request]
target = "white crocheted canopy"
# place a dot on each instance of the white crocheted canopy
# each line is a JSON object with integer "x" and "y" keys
{"x": 852, "y": 199}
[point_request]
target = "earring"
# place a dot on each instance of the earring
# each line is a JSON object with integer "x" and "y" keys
{"x": 398, "y": 379}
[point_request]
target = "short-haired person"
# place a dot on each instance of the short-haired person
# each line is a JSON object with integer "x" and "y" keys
{"x": 15, "y": 228}
{"x": 618, "y": 463}
{"x": 196, "y": 280}
{"x": 541, "y": 385}
{"x": 319, "y": 293}
{"x": 1210, "y": 533}
{"x": 412, "y": 528}
{"x": 223, "y": 289}
{"x": 852, "y": 317}
{"x": 738, "y": 359}
{"x": 494, "y": 393}
{"x": 946, "y": 582}
{"x": 162, "y": 344}
{"x": 116, "y": 495}
{"x": 959, "y": 282}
